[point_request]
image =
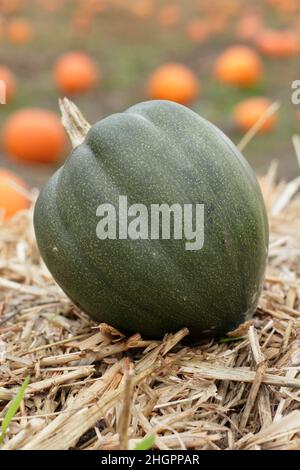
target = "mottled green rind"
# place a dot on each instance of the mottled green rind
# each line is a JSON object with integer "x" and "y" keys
{"x": 157, "y": 152}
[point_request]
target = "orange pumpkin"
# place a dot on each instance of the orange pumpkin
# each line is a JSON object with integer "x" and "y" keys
{"x": 142, "y": 8}
{"x": 249, "y": 111}
{"x": 287, "y": 6}
{"x": 19, "y": 31}
{"x": 9, "y": 80}
{"x": 11, "y": 200}
{"x": 9, "y": 7}
{"x": 278, "y": 44}
{"x": 34, "y": 135}
{"x": 217, "y": 23}
{"x": 198, "y": 31}
{"x": 239, "y": 66}
{"x": 173, "y": 82}
{"x": 76, "y": 73}
{"x": 82, "y": 22}
{"x": 169, "y": 15}
{"x": 248, "y": 27}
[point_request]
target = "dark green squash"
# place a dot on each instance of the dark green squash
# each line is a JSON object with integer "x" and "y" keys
{"x": 157, "y": 152}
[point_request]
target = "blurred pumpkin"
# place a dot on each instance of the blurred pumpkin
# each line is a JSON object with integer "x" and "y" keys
{"x": 249, "y": 111}
{"x": 173, "y": 82}
{"x": 287, "y": 6}
{"x": 142, "y": 8}
{"x": 11, "y": 200}
{"x": 9, "y": 80}
{"x": 75, "y": 73}
{"x": 217, "y": 23}
{"x": 82, "y": 22}
{"x": 169, "y": 15}
{"x": 239, "y": 66}
{"x": 197, "y": 31}
{"x": 19, "y": 31}
{"x": 248, "y": 27}
{"x": 34, "y": 135}
{"x": 9, "y": 7}
{"x": 278, "y": 44}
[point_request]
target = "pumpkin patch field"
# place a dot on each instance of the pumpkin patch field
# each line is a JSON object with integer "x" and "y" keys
{"x": 149, "y": 225}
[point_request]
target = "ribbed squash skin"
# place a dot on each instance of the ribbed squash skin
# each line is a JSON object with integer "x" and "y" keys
{"x": 157, "y": 152}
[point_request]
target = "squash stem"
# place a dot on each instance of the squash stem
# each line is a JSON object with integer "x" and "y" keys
{"x": 73, "y": 121}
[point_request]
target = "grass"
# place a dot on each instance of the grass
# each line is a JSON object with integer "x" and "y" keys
{"x": 13, "y": 409}
{"x": 146, "y": 444}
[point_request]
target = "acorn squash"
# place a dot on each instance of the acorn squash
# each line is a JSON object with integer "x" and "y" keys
{"x": 156, "y": 152}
